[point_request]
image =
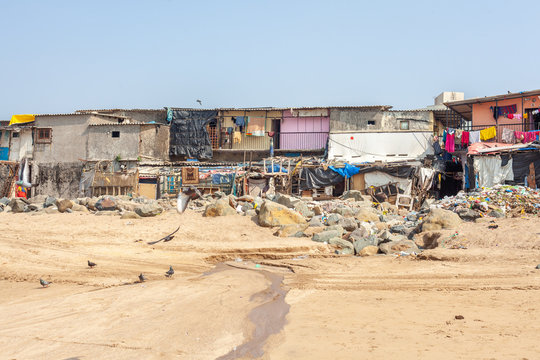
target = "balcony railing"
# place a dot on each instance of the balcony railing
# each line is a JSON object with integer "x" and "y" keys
{"x": 524, "y": 127}
{"x": 290, "y": 141}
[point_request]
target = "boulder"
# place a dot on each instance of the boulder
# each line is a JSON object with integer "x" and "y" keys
{"x": 274, "y": 214}
{"x": 232, "y": 201}
{"x": 317, "y": 210}
{"x": 335, "y": 227}
{"x": 247, "y": 206}
{"x": 220, "y": 207}
{"x": 439, "y": 219}
{"x": 360, "y": 233}
{"x": 344, "y": 211}
{"x": 392, "y": 247}
{"x": 369, "y": 250}
{"x": 381, "y": 225}
{"x": 316, "y": 221}
{"x": 4, "y": 201}
{"x": 250, "y": 213}
{"x": 389, "y": 208}
{"x": 51, "y": 210}
{"x": 293, "y": 230}
{"x": 149, "y": 210}
{"x": 106, "y": 204}
{"x": 79, "y": 208}
{"x": 219, "y": 194}
{"x": 325, "y": 236}
{"x": 348, "y": 223}
{"x": 496, "y": 214}
{"x": 17, "y": 205}
{"x": 397, "y": 229}
{"x": 367, "y": 214}
{"x": 428, "y": 240}
{"x": 32, "y": 207}
{"x": 91, "y": 204}
{"x": 353, "y": 194}
{"x": 313, "y": 230}
{"x": 345, "y": 246}
{"x": 63, "y": 204}
{"x": 303, "y": 209}
{"x": 287, "y": 200}
{"x": 49, "y": 201}
{"x": 129, "y": 215}
{"x": 359, "y": 244}
{"x": 467, "y": 214}
{"x": 333, "y": 219}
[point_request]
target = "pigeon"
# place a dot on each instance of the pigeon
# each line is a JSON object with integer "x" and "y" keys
{"x": 142, "y": 278}
{"x": 91, "y": 264}
{"x": 185, "y": 196}
{"x": 170, "y": 272}
{"x": 166, "y": 238}
{"x": 199, "y": 101}
{"x": 44, "y": 283}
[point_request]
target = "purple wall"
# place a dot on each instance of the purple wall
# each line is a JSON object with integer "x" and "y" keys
{"x": 303, "y": 133}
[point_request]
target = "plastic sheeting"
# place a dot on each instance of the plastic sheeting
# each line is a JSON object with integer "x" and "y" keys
{"x": 378, "y": 178}
{"x": 521, "y": 166}
{"x": 22, "y": 119}
{"x": 491, "y": 172}
{"x": 189, "y": 137}
{"x": 317, "y": 178}
{"x": 358, "y": 147}
{"x": 87, "y": 177}
{"x": 347, "y": 171}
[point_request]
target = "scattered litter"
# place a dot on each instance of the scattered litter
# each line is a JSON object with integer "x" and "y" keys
{"x": 238, "y": 260}
{"x": 459, "y": 317}
{"x": 257, "y": 265}
{"x": 301, "y": 257}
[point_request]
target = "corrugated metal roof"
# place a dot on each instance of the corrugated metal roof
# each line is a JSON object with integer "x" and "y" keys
{"x": 117, "y": 110}
{"x": 69, "y": 114}
{"x": 103, "y": 122}
{"x": 364, "y": 107}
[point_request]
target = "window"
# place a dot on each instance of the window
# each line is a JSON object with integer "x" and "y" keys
{"x": 116, "y": 134}
{"x": 15, "y": 135}
{"x": 371, "y": 122}
{"x": 44, "y": 135}
{"x": 404, "y": 125}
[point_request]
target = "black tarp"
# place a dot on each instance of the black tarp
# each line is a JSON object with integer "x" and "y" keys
{"x": 520, "y": 166}
{"x": 402, "y": 171}
{"x": 316, "y": 178}
{"x": 189, "y": 137}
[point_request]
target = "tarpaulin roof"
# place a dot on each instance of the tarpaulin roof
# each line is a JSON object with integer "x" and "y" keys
{"x": 22, "y": 119}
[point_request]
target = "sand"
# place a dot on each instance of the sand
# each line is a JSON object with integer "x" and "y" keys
{"x": 333, "y": 306}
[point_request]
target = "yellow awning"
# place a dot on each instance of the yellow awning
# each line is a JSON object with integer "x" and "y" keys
{"x": 21, "y": 119}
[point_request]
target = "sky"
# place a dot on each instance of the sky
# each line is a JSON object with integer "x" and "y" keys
{"x": 60, "y": 56}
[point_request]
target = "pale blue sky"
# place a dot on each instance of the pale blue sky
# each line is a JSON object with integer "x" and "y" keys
{"x": 59, "y": 56}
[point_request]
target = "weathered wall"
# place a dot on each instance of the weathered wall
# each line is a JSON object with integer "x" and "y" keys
{"x": 359, "y": 120}
{"x": 102, "y": 146}
{"x": 355, "y": 119}
{"x": 154, "y": 141}
{"x": 59, "y": 180}
{"x": 418, "y": 120}
{"x": 21, "y": 146}
{"x": 482, "y": 115}
{"x": 69, "y": 138}
{"x": 158, "y": 116}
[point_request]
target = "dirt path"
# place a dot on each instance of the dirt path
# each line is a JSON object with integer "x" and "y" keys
{"x": 340, "y": 306}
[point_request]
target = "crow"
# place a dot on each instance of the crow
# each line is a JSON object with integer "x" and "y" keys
{"x": 170, "y": 272}
{"x": 91, "y": 264}
{"x": 44, "y": 283}
{"x": 185, "y": 196}
{"x": 166, "y": 238}
{"x": 142, "y": 278}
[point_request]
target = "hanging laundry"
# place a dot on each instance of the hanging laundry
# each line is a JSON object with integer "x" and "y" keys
{"x": 450, "y": 144}
{"x": 444, "y": 136}
{"x": 474, "y": 137}
{"x": 508, "y": 136}
{"x": 237, "y": 137}
{"x": 510, "y": 116}
{"x": 526, "y": 115}
{"x": 239, "y": 121}
{"x": 488, "y": 133}
{"x": 517, "y": 116}
{"x": 465, "y": 139}
{"x": 495, "y": 110}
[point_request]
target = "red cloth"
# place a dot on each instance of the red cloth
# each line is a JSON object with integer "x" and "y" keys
{"x": 465, "y": 139}
{"x": 450, "y": 142}
{"x": 510, "y": 116}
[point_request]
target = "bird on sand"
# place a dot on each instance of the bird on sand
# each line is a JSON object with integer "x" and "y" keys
{"x": 185, "y": 196}
{"x": 165, "y": 238}
{"x": 44, "y": 283}
{"x": 170, "y": 272}
{"x": 142, "y": 278}
{"x": 91, "y": 264}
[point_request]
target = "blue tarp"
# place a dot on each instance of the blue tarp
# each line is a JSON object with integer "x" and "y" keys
{"x": 347, "y": 171}
{"x": 218, "y": 179}
{"x": 4, "y": 153}
{"x": 276, "y": 169}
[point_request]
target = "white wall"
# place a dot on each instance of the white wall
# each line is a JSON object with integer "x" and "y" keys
{"x": 357, "y": 147}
